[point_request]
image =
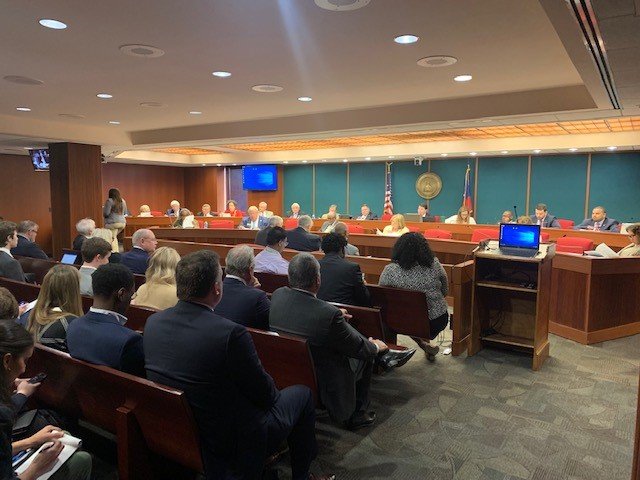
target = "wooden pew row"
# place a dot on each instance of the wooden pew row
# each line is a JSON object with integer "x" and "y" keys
{"x": 39, "y": 267}
{"x": 459, "y": 232}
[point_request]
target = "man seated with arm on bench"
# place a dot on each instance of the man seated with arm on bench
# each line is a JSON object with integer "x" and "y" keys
{"x": 241, "y": 415}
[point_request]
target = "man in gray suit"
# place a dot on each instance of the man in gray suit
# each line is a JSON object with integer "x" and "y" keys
{"x": 543, "y": 218}
{"x": 9, "y": 267}
{"x": 343, "y": 357}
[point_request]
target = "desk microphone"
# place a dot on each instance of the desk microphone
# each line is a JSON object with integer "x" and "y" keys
{"x": 515, "y": 211}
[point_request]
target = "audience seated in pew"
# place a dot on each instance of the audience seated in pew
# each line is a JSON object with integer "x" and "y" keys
{"x": 241, "y": 415}
{"x": 341, "y": 279}
{"x": 137, "y": 259}
{"x": 95, "y": 252}
{"x": 58, "y": 305}
{"x": 341, "y": 229}
{"x": 9, "y": 266}
{"x": 85, "y": 229}
{"x": 159, "y": 289}
{"x": 300, "y": 239}
{"x": 100, "y": 336}
{"x": 243, "y": 302}
{"x": 27, "y": 246}
{"x": 261, "y": 236}
{"x": 270, "y": 259}
{"x": 414, "y": 267}
{"x": 16, "y": 347}
{"x": 329, "y": 225}
{"x": 343, "y": 358}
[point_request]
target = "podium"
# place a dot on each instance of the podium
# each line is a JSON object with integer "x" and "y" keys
{"x": 510, "y": 302}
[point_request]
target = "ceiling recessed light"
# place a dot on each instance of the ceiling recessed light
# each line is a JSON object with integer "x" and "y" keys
{"x": 341, "y": 5}
{"x": 305, "y": 99}
{"x": 324, "y": 160}
{"x": 195, "y": 112}
{"x": 21, "y": 80}
{"x": 612, "y": 148}
{"x": 406, "y": 39}
{"x": 137, "y": 50}
{"x": 104, "y": 95}
{"x": 444, "y": 154}
{"x": 151, "y": 104}
{"x": 537, "y": 150}
{"x": 23, "y": 109}
{"x": 504, "y": 152}
{"x": 285, "y": 161}
{"x": 219, "y": 164}
{"x": 573, "y": 149}
{"x": 221, "y": 74}
{"x": 437, "y": 61}
{"x": 53, "y": 24}
{"x": 462, "y": 78}
{"x": 304, "y": 161}
{"x": 391, "y": 156}
{"x": 265, "y": 88}
{"x": 204, "y": 164}
{"x": 345, "y": 160}
{"x": 367, "y": 158}
{"x": 473, "y": 154}
{"x": 235, "y": 164}
{"x": 114, "y": 122}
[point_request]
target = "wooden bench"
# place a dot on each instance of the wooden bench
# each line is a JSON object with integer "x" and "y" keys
{"x": 144, "y": 416}
{"x": 270, "y": 282}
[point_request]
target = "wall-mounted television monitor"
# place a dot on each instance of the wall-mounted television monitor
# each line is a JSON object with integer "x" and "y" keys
{"x": 40, "y": 159}
{"x": 260, "y": 177}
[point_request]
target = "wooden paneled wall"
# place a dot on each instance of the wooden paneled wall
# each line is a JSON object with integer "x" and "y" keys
{"x": 26, "y": 195}
{"x": 202, "y": 185}
{"x": 274, "y": 199}
{"x": 153, "y": 185}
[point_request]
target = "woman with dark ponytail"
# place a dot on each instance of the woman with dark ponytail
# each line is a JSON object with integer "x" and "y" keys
{"x": 16, "y": 347}
{"x": 114, "y": 211}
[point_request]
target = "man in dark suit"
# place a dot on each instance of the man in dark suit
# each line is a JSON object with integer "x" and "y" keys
{"x": 144, "y": 244}
{"x": 253, "y": 220}
{"x": 243, "y": 302}
{"x": 599, "y": 222}
{"x": 366, "y": 213}
{"x": 341, "y": 279}
{"x": 100, "y": 336}
{"x": 543, "y": 218}
{"x": 9, "y": 267}
{"x": 261, "y": 236}
{"x": 343, "y": 357}
{"x": 27, "y": 231}
{"x": 85, "y": 228}
{"x": 241, "y": 415}
{"x": 423, "y": 211}
{"x": 300, "y": 239}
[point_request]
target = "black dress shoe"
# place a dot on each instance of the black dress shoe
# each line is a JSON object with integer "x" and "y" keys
{"x": 395, "y": 358}
{"x": 361, "y": 419}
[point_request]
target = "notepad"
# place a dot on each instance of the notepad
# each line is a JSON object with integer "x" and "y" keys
{"x": 602, "y": 250}
{"x": 71, "y": 444}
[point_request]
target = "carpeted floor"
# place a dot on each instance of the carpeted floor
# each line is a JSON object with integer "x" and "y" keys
{"x": 492, "y": 417}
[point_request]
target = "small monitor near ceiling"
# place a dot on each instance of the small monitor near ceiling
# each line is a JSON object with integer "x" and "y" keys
{"x": 40, "y": 159}
{"x": 260, "y": 177}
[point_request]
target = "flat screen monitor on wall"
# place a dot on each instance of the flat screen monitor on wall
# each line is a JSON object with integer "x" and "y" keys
{"x": 260, "y": 177}
{"x": 40, "y": 159}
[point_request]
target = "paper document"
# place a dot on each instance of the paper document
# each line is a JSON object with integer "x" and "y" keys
{"x": 71, "y": 444}
{"x": 602, "y": 250}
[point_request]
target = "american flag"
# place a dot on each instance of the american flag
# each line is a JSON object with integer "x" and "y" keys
{"x": 388, "y": 204}
{"x": 466, "y": 194}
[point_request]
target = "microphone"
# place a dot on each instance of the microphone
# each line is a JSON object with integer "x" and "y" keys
{"x": 515, "y": 211}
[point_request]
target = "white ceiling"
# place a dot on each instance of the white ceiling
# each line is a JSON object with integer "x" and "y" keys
{"x": 347, "y": 61}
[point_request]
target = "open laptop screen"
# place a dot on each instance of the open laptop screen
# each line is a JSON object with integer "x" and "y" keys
{"x": 515, "y": 235}
{"x": 69, "y": 258}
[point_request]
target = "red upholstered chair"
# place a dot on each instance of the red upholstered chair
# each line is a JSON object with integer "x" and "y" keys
{"x": 544, "y": 237}
{"x": 437, "y": 217}
{"x": 156, "y": 213}
{"x": 386, "y": 216}
{"x": 480, "y": 234}
{"x": 566, "y": 224}
{"x": 573, "y": 245}
{"x": 437, "y": 233}
{"x": 290, "y": 223}
{"x": 222, "y": 224}
{"x": 354, "y": 228}
{"x": 413, "y": 229}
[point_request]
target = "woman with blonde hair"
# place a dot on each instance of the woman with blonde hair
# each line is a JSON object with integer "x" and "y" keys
{"x": 159, "y": 290}
{"x": 463, "y": 216}
{"x": 58, "y": 303}
{"x": 397, "y": 226}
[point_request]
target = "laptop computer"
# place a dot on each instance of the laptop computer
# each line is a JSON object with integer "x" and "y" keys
{"x": 519, "y": 240}
{"x": 412, "y": 217}
{"x": 69, "y": 258}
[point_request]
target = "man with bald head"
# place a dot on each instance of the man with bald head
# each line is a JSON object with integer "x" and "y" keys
{"x": 144, "y": 244}
{"x": 599, "y": 221}
{"x": 254, "y": 221}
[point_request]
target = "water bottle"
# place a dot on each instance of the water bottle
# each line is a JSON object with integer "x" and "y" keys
{"x": 206, "y": 224}
{"x": 313, "y": 217}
